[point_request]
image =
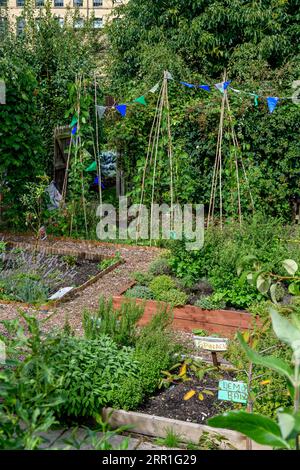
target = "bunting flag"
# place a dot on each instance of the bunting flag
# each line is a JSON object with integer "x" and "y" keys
{"x": 222, "y": 86}
{"x": 155, "y": 88}
{"x": 92, "y": 167}
{"x": 272, "y": 103}
{"x": 169, "y": 76}
{"x": 141, "y": 100}
{"x": 101, "y": 110}
{"x": 122, "y": 108}
{"x": 235, "y": 90}
{"x": 205, "y": 87}
{"x": 74, "y": 129}
{"x": 74, "y": 121}
{"x": 189, "y": 85}
{"x": 96, "y": 181}
{"x": 226, "y": 84}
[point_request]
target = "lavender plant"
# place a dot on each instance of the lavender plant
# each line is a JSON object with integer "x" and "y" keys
{"x": 32, "y": 276}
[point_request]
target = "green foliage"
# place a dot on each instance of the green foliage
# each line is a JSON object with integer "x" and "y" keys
{"x": 155, "y": 350}
{"x": 100, "y": 438}
{"x": 159, "y": 266}
{"x": 174, "y": 297}
{"x": 24, "y": 288}
{"x": 118, "y": 324}
{"x": 264, "y": 430}
{"x": 143, "y": 279}
{"x": 24, "y": 415}
{"x": 172, "y": 439}
{"x": 208, "y": 303}
{"x": 106, "y": 263}
{"x": 38, "y": 67}
{"x": 268, "y": 282}
{"x": 92, "y": 369}
{"x": 262, "y": 238}
{"x": 162, "y": 283}
{"x": 129, "y": 395}
{"x": 196, "y": 41}
{"x": 70, "y": 260}
{"x": 34, "y": 203}
{"x": 139, "y": 292}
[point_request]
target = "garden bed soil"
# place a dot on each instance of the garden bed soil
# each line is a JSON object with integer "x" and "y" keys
{"x": 85, "y": 270}
{"x": 170, "y": 403}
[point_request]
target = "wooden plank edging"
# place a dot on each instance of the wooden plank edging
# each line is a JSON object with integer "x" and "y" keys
{"x": 158, "y": 426}
{"x": 190, "y": 317}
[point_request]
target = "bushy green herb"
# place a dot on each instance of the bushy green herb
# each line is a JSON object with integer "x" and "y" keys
{"x": 208, "y": 303}
{"x": 161, "y": 284}
{"x": 139, "y": 292}
{"x": 120, "y": 325}
{"x": 160, "y": 266}
{"x": 143, "y": 279}
{"x": 92, "y": 370}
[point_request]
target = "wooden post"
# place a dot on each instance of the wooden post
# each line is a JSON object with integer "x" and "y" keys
{"x": 215, "y": 359}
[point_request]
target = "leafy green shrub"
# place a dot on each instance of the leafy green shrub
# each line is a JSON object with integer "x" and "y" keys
{"x": 139, "y": 292}
{"x": 155, "y": 350}
{"x": 160, "y": 266}
{"x": 118, "y": 324}
{"x": 208, "y": 303}
{"x": 92, "y": 371}
{"x": 29, "y": 391}
{"x": 24, "y": 288}
{"x": 217, "y": 261}
{"x": 175, "y": 297}
{"x": 143, "y": 279}
{"x": 284, "y": 432}
{"x": 161, "y": 284}
{"x": 273, "y": 394}
{"x": 129, "y": 395}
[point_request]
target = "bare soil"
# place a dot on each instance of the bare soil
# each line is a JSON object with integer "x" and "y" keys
{"x": 170, "y": 402}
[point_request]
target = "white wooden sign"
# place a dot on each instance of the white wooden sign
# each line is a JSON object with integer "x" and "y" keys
{"x": 60, "y": 293}
{"x": 209, "y": 343}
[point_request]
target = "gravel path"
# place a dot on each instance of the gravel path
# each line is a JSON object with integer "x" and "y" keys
{"x": 136, "y": 259}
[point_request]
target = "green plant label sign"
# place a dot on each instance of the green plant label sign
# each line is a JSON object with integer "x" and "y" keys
{"x": 233, "y": 391}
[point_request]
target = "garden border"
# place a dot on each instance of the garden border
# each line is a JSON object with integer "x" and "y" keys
{"x": 157, "y": 426}
{"x": 190, "y": 317}
{"x": 64, "y": 252}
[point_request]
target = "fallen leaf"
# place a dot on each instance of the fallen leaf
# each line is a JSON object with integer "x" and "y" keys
{"x": 189, "y": 395}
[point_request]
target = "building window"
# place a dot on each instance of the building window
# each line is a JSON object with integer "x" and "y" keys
{"x": 98, "y": 23}
{"x": 20, "y": 25}
{"x": 20, "y": 3}
{"x": 3, "y": 3}
{"x": 78, "y": 3}
{"x": 39, "y": 3}
{"x": 58, "y": 3}
{"x": 78, "y": 23}
{"x": 97, "y": 3}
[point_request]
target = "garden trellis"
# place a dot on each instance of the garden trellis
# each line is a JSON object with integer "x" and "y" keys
{"x": 219, "y": 165}
{"x": 162, "y": 113}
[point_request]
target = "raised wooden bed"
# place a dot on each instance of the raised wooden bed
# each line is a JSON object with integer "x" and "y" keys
{"x": 157, "y": 426}
{"x": 189, "y": 317}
